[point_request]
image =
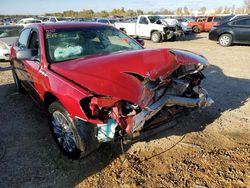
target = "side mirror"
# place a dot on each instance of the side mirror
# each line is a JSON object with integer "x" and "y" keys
{"x": 25, "y": 54}
{"x": 140, "y": 41}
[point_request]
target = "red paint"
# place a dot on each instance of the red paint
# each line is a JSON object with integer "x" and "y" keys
{"x": 204, "y": 25}
{"x": 106, "y": 75}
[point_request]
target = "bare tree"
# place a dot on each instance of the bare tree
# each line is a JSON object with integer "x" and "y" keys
{"x": 203, "y": 10}
{"x": 179, "y": 11}
{"x": 218, "y": 10}
{"x": 186, "y": 11}
{"x": 247, "y": 4}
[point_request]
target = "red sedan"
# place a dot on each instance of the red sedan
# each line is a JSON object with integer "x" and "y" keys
{"x": 99, "y": 85}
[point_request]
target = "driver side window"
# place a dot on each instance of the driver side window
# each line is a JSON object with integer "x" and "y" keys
{"x": 34, "y": 44}
{"x": 23, "y": 39}
{"x": 143, "y": 20}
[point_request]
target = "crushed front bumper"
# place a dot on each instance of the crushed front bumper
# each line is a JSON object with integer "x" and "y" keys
{"x": 169, "y": 100}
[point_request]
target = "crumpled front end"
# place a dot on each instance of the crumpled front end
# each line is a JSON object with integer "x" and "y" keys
{"x": 162, "y": 100}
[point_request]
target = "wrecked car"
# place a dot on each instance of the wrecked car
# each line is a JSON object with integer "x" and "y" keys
{"x": 99, "y": 85}
{"x": 146, "y": 26}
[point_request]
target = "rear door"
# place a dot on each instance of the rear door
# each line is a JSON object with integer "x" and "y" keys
{"x": 208, "y": 24}
{"x": 241, "y": 30}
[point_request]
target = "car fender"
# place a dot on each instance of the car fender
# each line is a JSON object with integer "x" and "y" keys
{"x": 68, "y": 93}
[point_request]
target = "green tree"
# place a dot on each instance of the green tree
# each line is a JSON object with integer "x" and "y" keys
{"x": 139, "y": 12}
{"x": 130, "y": 13}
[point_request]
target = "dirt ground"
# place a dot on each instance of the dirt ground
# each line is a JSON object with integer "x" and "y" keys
{"x": 205, "y": 149}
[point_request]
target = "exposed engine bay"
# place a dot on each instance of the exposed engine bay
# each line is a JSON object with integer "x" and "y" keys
{"x": 163, "y": 99}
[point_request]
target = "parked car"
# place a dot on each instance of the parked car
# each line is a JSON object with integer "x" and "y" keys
{"x": 55, "y": 19}
{"x": 109, "y": 21}
{"x": 99, "y": 85}
{"x": 146, "y": 27}
{"x": 206, "y": 25}
{"x": 8, "y": 36}
{"x": 232, "y": 31}
{"x": 184, "y": 25}
{"x": 27, "y": 21}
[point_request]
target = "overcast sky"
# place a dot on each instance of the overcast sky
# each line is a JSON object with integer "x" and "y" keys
{"x": 45, "y": 6}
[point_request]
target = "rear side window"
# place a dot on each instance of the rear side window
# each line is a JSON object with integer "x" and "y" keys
{"x": 23, "y": 39}
{"x": 209, "y": 19}
{"x": 245, "y": 22}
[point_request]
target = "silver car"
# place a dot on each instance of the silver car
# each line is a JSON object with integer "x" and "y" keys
{"x": 8, "y": 36}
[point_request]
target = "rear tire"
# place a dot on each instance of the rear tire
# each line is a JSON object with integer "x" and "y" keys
{"x": 225, "y": 40}
{"x": 156, "y": 37}
{"x": 18, "y": 84}
{"x": 66, "y": 133}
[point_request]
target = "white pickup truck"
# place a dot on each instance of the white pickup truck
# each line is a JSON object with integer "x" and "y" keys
{"x": 146, "y": 26}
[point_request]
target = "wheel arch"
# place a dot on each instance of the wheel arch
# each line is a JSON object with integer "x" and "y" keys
{"x": 200, "y": 27}
{"x": 153, "y": 30}
{"x": 226, "y": 32}
{"x": 49, "y": 98}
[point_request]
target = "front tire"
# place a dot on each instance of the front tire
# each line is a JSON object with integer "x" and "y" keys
{"x": 66, "y": 134}
{"x": 225, "y": 40}
{"x": 156, "y": 37}
{"x": 196, "y": 29}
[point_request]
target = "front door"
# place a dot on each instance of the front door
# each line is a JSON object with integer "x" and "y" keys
{"x": 241, "y": 30}
{"x": 142, "y": 27}
{"x": 32, "y": 71}
{"x": 208, "y": 24}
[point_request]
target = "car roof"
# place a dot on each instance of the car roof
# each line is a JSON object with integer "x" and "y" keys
{"x": 61, "y": 25}
{"x": 240, "y": 16}
{"x": 25, "y": 19}
{"x": 11, "y": 26}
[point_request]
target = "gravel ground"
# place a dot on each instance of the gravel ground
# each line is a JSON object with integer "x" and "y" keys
{"x": 205, "y": 149}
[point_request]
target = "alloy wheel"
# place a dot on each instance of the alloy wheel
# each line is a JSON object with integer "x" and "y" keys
{"x": 224, "y": 40}
{"x": 63, "y": 132}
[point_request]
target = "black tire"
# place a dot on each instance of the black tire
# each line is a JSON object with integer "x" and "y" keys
{"x": 18, "y": 84}
{"x": 81, "y": 138}
{"x": 173, "y": 38}
{"x": 196, "y": 29}
{"x": 123, "y": 30}
{"x": 156, "y": 37}
{"x": 225, "y": 40}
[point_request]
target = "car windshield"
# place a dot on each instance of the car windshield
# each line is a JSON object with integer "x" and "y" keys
{"x": 153, "y": 19}
{"x": 67, "y": 44}
{"x": 10, "y": 32}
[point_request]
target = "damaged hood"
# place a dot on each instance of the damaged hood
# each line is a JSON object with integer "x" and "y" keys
{"x": 121, "y": 74}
